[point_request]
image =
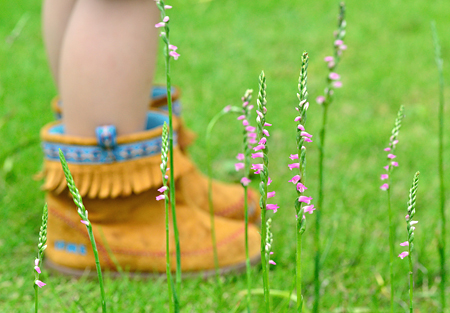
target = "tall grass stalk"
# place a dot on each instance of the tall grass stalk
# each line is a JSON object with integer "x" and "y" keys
{"x": 169, "y": 50}
{"x": 326, "y": 100}
{"x": 442, "y": 240}
{"x": 410, "y": 229}
{"x": 299, "y": 203}
{"x": 85, "y": 220}
{"x": 387, "y": 186}
{"x": 263, "y": 170}
{"x": 173, "y": 299}
{"x": 41, "y": 247}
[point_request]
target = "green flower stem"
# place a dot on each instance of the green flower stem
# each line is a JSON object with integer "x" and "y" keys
{"x": 41, "y": 247}
{"x": 391, "y": 242}
{"x": 442, "y": 239}
{"x": 84, "y": 216}
{"x": 301, "y": 222}
{"x": 173, "y": 300}
{"x": 410, "y": 231}
{"x": 165, "y": 37}
{"x": 261, "y": 102}
{"x": 340, "y": 34}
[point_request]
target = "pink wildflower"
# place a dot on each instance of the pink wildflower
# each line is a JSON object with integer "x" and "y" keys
{"x": 270, "y": 194}
{"x": 166, "y": 7}
{"x": 174, "y": 55}
{"x": 257, "y": 166}
{"x": 384, "y": 176}
{"x": 272, "y": 262}
{"x": 245, "y": 181}
{"x": 391, "y": 156}
{"x": 262, "y": 141}
{"x": 160, "y": 197}
{"x": 301, "y": 127}
{"x": 301, "y": 187}
{"x": 386, "y": 167}
{"x": 174, "y": 48}
{"x": 337, "y": 84}
{"x": 245, "y": 123}
{"x": 304, "y": 199}
{"x": 295, "y": 179}
{"x": 257, "y": 155}
{"x": 163, "y": 188}
{"x": 394, "y": 163}
{"x": 250, "y": 128}
{"x": 273, "y": 207}
{"x": 293, "y": 156}
{"x": 165, "y": 19}
{"x": 266, "y": 132}
{"x": 404, "y": 254}
{"x": 240, "y": 156}
{"x": 328, "y": 59}
{"x": 320, "y": 99}
{"x": 267, "y": 125}
{"x": 309, "y": 208}
{"x": 294, "y": 165}
{"x": 40, "y": 283}
{"x": 384, "y": 187}
{"x": 269, "y": 181}
{"x": 338, "y": 42}
{"x": 305, "y": 134}
{"x": 404, "y": 244}
{"x": 334, "y": 76}
{"x": 298, "y": 118}
{"x": 239, "y": 166}
{"x": 387, "y": 149}
{"x": 259, "y": 147}
{"x": 241, "y": 117}
{"x": 307, "y": 139}
{"x": 85, "y": 222}
{"x": 160, "y": 24}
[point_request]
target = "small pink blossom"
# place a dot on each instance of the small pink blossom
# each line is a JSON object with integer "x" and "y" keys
{"x": 320, "y": 99}
{"x": 239, "y": 166}
{"x": 270, "y": 194}
{"x": 257, "y": 166}
{"x": 160, "y": 24}
{"x": 165, "y": 19}
{"x": 250, "y": 107}
{"x": 387, "y": 149}
{"x": 384, "y": 187}
{"x": 174, "y": 55}
{"x": 267, "y": 125}
{"x": 240, "y": 156}
{"x": 266, "y": 132}
{"x": 384, "y": 176}
{"x": 252, "y": 141}
{"x": 259, "y": 147}
{"x": 295, "y": 179}
{"x": 395, "y": 142}
{"x": 305, "y": 134}
{"x": 272, "y": 262}
{"x": 166, "y": 176}
{"x": 262, "y": 141}
{"x": 293, "y": 156}
{"x": 404, "y": 244}
{"x": 328, "y": 59}
{"x": 334, "y": 76}
{"x": 257, "y": 155}
{"x": 343, "y": 47}
{"x": 245, "y": 123}
{"x": 413, "y": 222}
{"x": 174, "y": 48}
{"x": 309, "y": 208}
{"x": 298, "y": 118}
{"x": 301, "y": 127}
{"x": 160, "y": 197}
{"x": 163, "y": 188}
{"x": 404, "y": 254}
{"x": 301, "y": 187}
{"x": 273, "y": 207}
{"x": 307, "y": 139}
{"x": 252, "y": 135}
{"x": 304, "y": 199}
{"x": 269, "y": 181}
{"x": 250, "y": 128}
{"x": 167, "y": 7}
{"x": 294, "y": 165}
{"x": 391, "y": 156}
{"x": 337, "y": 84}
{"x": 37, "y": 269}
{"x": 39, "y": 283}
{"x": 241, "y": 117}
{"x": 338, "y": 42}
{"x": 85, "y": 222}
{"x": 259, "y": 114}
{"x": 227, "y": 108}
{"x": 386, "y": 167}
{"x": 407, "y": 216}
{"x": 394, "y": 163}
{"x": 245, "y": 181}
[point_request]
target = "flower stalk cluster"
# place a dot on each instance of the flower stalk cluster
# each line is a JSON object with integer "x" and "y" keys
{"x": 170, "y": 51}
{"x": 263, "y": 170}
{"x": 41, "y": 247}
{"x": 393, "y": 140}
{"x": 83, "y": 213}
{"x": 302, "y": 203}
{"x": 410, "y": 230}
{"x": 332, "y": 82}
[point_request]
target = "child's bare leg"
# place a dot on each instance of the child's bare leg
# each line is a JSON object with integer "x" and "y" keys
{"x": 107, "y": 63}
{"x": 55, "y": 17}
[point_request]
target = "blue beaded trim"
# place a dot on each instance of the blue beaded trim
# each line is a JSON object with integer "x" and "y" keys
{"x": 79, "y": 154}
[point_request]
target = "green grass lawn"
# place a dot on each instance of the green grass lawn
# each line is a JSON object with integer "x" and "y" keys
{"x": 224, "y": 45}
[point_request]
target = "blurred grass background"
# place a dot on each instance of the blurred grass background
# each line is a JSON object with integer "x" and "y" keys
{"x": 224, "y": 45}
